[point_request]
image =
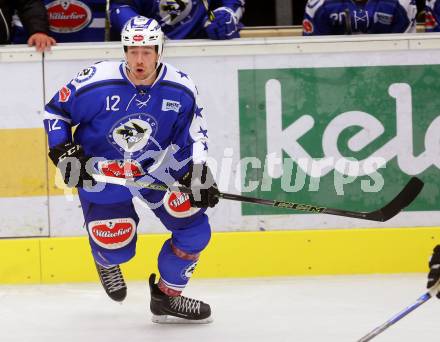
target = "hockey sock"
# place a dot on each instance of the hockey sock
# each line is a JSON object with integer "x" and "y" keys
{"x": 175, "y": 268}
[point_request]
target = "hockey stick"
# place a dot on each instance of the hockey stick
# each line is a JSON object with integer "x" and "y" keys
{"x": 403, "y": 199}
{"x": 348, "y": 29}
{"x": 422, "y": 299}
{"x": 211, "y": 15}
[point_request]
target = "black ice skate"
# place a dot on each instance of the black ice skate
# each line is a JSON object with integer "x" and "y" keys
{"x": 180, "y": 309}
{"x": 112, "y": 281}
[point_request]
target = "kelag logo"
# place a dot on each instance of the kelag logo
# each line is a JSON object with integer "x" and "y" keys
{"x": 341, "y": 137}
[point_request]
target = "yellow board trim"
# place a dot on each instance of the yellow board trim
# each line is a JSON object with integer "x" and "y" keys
{"x": 20, "y": 261}
{"x": 233, "y": 254}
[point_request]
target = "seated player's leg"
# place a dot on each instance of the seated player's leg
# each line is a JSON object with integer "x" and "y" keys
{"x": 178, "y": 258}
{"x": 112, "y": 237}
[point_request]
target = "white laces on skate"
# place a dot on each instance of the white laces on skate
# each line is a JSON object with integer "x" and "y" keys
{"x": 112, "y": 278}
{"x": 184, "y": 304}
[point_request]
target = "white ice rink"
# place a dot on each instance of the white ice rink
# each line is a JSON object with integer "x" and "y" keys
{"x": 299, "y": 309}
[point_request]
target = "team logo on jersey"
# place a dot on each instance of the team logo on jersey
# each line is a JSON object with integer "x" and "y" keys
{"x": 132, "y": 133}
{"x": 177, "y": 204}
{"x": 189, "y": 270}
{"x": 307, "y": 26}
{"x": 171, "y": 105}
{"x": 174, "y": 11}
{"x": 112, "y": 234}
{"x": 127, "y": 168}
{"x": 64, "y": 94}
{"x": 67, "y": 16}
{"x": 85, "y": 75}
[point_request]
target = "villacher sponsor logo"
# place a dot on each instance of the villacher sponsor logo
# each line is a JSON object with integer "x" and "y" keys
{"x": 107, "y": 234}
{"x": 112, "y": 234}
{"x": 176, "y": 203}
{"x": 68, "y": 16}
{"x": 62, "y": 16}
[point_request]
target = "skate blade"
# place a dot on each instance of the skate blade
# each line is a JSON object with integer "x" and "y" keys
{"x": 166, "y": 319}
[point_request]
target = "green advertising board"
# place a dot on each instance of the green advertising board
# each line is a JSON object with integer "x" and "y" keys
{"x": 314, "y": 120}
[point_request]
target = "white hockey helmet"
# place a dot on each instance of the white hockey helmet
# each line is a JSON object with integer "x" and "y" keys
{"x": 142, "y": 31}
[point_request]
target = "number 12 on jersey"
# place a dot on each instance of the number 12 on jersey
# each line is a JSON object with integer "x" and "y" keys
{"x": 112, "y": 102}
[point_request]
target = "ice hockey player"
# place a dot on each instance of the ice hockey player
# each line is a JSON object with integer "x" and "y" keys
{"x": 338, "y": 17}
{"x": 137, "y": 118}
{"x": 183, "y": 18}
{"x": 432, "y": 16}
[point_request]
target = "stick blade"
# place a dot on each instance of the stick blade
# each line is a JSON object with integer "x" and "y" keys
{"x": 401, "y": 201}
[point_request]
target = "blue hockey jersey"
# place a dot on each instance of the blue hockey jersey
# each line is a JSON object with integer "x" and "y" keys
{"x": 336, "y": 17}
{"x": 70, "y": 21}
{"x": 179, "y": 19}
{"x": 134, "y": 129}
{"x": 432, "y": 16}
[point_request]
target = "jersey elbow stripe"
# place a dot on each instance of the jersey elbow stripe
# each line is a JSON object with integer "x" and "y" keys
{"x": 50, "y": 116}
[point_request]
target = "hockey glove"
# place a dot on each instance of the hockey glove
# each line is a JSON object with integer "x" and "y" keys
{"x": 224, "y": 26}
{"x": 71, "y": 161}
{"x": 434, "y": 269}
{"x": 201, "y": 182}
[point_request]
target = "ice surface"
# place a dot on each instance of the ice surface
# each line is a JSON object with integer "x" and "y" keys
{"x": 299, "y": 309}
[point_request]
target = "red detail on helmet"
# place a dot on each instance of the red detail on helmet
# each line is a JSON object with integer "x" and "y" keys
{"x": 121, "y": 168}
{"x": 138, "y": 38}
{"x": 64, "y": 94}
{"x": 179, "y": 202}
{"x": 109, "y": 233}
{"x": 68, "y": 16}
{"x": 307, "y": 26}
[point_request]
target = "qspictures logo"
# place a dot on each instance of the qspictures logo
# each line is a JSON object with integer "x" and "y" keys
{"x": 342, "y": 137}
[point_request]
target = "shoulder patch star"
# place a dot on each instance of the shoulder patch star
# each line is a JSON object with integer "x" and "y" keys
{"x": 182, "y": 74}
{"x": 203, "y": 131}
{"x": 205, "y": 145}
{"x": 198, "y": 112}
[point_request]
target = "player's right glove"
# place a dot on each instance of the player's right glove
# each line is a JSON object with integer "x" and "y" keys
{"x": 201, "y": 182}
{"x": 434, "y": 269}
{"x": 71, "y": 161}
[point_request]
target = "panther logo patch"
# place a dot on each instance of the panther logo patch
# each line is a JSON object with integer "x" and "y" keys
{"x": 132, "y": 133}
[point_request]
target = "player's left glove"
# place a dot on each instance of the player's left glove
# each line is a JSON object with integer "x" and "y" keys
{"x": 71, "y": 161}
{"x": 224, "y": 26}
{"x": 201, "y": 182}
{"x": 434, "y": 269}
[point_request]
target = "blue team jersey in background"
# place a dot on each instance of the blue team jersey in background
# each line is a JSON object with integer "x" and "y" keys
{"x": 179, "y": 19}
{"x": 70, "y": 21}
{"x": 336, "y": 17}
{"x": 124, "y": 123}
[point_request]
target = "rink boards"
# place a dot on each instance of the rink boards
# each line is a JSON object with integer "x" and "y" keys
{"x": 230, "y": 255}
{"x": 254, "y": 90}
